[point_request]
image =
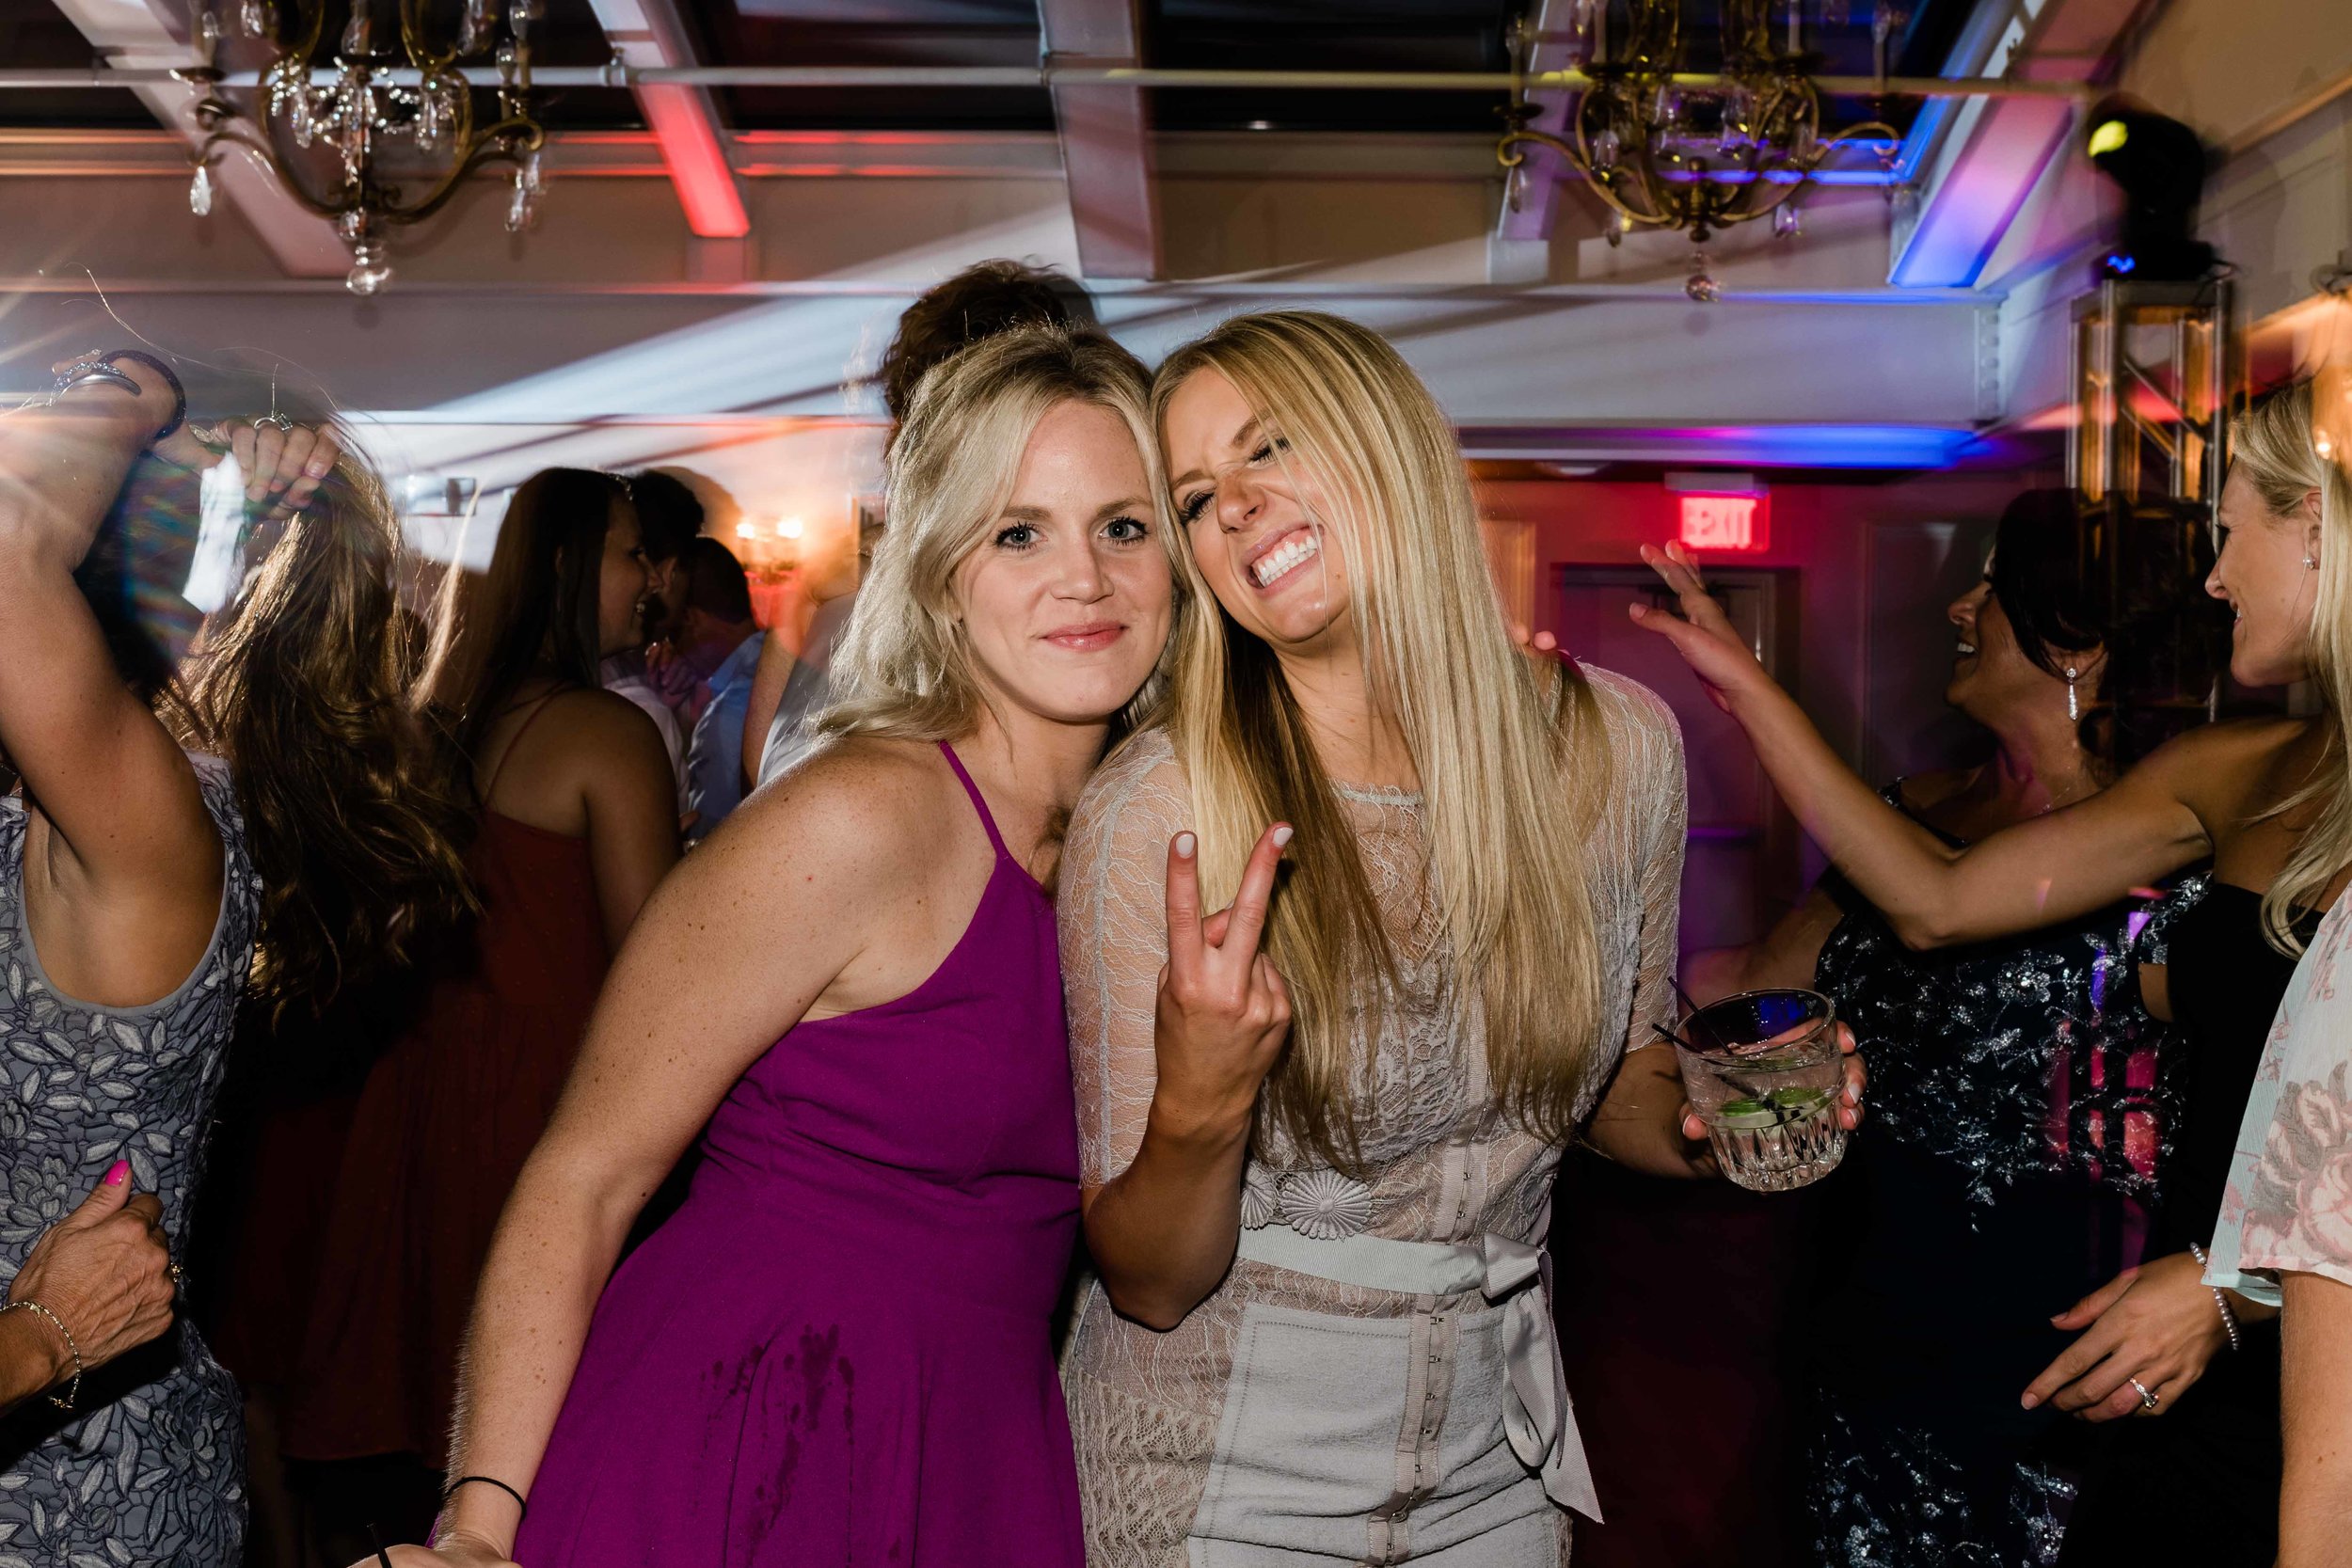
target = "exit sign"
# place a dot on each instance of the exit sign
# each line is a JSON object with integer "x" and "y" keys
{"x": 1724, "y": 523}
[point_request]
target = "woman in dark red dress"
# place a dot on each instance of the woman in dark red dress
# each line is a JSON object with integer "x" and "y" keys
{"x": 575, "y": 824}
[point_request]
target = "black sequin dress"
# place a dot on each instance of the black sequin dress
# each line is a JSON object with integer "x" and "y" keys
{"x": 2023, "y": 1110}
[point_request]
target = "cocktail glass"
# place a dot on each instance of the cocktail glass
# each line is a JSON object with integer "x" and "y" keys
{"x": 1763, "y": 1072}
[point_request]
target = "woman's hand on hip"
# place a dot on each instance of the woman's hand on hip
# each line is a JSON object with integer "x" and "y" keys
{"x": 105, "y": 1271}
{"x": 2156, "y": 1323}
{"x": 1702, "y": 635}
{"x": 1223, "y": 1011}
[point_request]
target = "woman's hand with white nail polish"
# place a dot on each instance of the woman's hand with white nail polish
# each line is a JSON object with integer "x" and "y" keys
{"x": 1223, "y": 1012}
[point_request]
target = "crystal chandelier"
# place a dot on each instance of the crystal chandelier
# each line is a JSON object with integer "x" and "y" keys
{"x": 1666, "y": 150}
{"x": 362, "y": 111}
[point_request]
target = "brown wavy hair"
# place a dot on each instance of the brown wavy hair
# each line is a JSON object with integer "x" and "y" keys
{"x": 300, "y": 684}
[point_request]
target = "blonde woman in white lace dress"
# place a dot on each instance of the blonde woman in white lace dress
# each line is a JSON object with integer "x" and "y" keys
{"x": 1320, "y": 1331}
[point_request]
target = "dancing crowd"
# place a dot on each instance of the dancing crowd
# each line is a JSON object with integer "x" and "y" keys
{"x": 1063, "y": 1055}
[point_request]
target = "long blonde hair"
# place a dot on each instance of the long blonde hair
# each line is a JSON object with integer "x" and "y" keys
{"x": 2276, "y": 445}
{"x": 1513, "y": 758}
{"x": 903, "y": 670}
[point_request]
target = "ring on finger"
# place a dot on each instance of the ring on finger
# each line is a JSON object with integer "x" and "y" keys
{"x": 274, "y": 422}
{"x": 2148, "y": 1401}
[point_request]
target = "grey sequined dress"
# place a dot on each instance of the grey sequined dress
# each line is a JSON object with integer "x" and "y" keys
{"x": 149, "y": 1469}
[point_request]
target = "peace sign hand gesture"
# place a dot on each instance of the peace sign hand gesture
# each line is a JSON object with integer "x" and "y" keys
{"x": 1223, "y": 1011}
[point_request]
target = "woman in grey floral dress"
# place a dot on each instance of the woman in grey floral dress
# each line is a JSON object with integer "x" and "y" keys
{"x": 134, "y": 898}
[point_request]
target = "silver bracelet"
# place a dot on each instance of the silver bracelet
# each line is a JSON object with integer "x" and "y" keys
{"x": 2221, "y": 1298}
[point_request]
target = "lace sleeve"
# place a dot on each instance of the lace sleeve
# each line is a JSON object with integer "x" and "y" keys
{"x": 1660, "y": 802}
{"x": 1114, "y": 939}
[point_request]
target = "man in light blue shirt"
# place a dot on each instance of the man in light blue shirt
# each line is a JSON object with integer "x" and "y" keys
{"x": 718, "y": 616}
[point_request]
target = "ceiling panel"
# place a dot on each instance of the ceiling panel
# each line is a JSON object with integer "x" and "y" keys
{"x": 1290, "y": 35}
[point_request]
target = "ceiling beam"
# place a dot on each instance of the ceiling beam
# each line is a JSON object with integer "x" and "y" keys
{"x": 1520, "y": 248}
{"x": 134, "y": 33}
{"x": 1105, "y": 138}
{"x": 650, "y": 35}
{"x": 1997, "y": 149}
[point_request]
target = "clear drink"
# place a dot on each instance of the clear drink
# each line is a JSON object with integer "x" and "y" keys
{"x": 1763, "y": 1073}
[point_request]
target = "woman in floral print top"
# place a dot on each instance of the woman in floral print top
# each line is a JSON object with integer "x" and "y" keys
{"x": 2285, "y": 1235}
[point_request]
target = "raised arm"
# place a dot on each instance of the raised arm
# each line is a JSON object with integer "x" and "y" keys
{"x": 131, "y": 864}
{"x": 732, "y": 950}
{"x": 2132, "y": 834}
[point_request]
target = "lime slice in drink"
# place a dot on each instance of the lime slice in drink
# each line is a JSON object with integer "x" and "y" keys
{"x": 1747, "y": 1113}
{"x": 1798, "y": 1102}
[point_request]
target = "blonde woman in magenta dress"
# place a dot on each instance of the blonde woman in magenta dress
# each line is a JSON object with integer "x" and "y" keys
{"x": 839, "y": 1349}
{"x": 1320, "y": 1331}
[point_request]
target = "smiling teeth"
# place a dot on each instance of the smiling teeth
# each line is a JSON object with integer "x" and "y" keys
{"x": 1275, "y": 561}
{"x": 1965, "y": 648}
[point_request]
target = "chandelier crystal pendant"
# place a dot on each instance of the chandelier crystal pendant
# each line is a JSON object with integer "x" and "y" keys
{"x": 360, "y": 113}
{"x": 1690, "y": 154}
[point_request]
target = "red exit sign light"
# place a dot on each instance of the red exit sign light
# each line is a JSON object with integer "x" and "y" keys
{"x": 1724, "y": 523}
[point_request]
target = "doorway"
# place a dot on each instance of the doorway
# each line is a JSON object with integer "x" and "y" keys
{"x": 1740, "y": 868}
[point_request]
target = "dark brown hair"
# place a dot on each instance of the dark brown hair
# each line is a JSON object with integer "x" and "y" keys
{"x": 535, "y": 611}
{"x": 2073, "y": 575}
{"x": 976, "y": 303}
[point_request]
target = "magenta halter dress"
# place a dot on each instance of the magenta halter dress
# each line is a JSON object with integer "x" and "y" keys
{"x": 838, "y": 1350}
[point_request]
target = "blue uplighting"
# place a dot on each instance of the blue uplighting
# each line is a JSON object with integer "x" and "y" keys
{"x": 1840, "y": 446}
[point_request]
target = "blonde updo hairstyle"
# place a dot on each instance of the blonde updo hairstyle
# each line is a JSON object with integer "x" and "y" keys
{"x": 904, "y": 668}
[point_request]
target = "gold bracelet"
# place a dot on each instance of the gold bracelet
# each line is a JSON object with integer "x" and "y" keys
{"x": 73, "y": 1389}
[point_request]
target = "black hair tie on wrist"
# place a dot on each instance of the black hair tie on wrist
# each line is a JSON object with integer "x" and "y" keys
{"x": 179, "y": 393}
{"x": 450, "y": 1490}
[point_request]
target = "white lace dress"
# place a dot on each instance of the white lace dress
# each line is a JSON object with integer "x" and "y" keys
{"x": 1293, "y": 1418}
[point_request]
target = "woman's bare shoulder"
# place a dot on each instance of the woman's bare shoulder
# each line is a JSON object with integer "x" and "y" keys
{"x": 888, "y": 793}
{"x": 2226, "y": 759}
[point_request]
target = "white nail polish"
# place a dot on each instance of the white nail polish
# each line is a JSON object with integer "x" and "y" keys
{"x": 1185, "y": 844}
{"x": 1281, "y": 836}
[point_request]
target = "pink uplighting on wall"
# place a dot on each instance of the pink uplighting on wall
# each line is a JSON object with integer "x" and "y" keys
{"x": 1725, "y": 523}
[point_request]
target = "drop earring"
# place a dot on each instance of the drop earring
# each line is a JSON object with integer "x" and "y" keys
{"x": 2073, "y": 705}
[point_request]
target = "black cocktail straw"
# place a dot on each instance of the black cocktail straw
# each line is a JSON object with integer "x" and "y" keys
{"x": 381, "y": 1555}
{"x": 1692, "y": 1022}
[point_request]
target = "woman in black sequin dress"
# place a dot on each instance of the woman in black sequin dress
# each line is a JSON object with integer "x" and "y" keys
{"x": 2269, "y": 803}
{"x": 2026, "y": 1096}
